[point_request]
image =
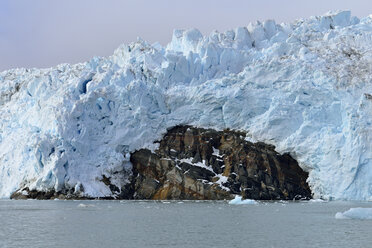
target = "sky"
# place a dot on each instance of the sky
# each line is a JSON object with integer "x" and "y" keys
{"x": 44, "y": 33}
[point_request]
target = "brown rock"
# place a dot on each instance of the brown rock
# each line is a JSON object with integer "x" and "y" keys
{"x": 190, "y": 161}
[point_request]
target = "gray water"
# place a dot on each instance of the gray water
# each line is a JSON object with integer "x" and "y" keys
{"x": 179, "y": 224}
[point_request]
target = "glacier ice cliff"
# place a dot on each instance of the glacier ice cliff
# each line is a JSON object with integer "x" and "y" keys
{"x": 303, "y": 87}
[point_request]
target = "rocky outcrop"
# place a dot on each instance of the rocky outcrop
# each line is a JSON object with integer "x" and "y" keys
{"x": 204, "y": 164}
{"x": 26, "y": 193}
{"x": 196, "y": 163}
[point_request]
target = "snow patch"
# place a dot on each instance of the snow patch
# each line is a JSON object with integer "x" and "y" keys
{"x": 198, "y": 164}
{"x": 216, "y": 153}
{"x": 221, "y": 180}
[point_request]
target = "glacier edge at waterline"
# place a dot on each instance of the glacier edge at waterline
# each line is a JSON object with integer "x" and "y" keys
{"x": 304, "y": 87}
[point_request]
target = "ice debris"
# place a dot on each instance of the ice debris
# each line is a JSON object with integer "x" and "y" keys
{"x": 355, "y": 213}
{"x": 238, "y": 201}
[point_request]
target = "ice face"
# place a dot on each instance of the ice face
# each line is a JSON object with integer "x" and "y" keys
{"x": 304, "y": 87}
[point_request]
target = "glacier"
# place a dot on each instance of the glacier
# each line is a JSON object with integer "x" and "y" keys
{"x": 304, "y": 87}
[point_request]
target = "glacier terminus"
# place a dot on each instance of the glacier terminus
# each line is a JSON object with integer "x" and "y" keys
{"x": 304, "y": 87}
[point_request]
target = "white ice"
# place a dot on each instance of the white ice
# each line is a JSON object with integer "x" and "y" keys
{"x": 238, "y": 201}
{"x": 82, "y": 205}
{"x": 304, "y": 87}
{"x": 355, "y": 213}
{"x": 317, "y": 201}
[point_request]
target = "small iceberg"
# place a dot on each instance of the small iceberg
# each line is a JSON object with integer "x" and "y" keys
{"x": 82, "y": 205}
{"x": 317, "y": 201}
{"x": 238, "y": 201}
{"x": 355, "y": 213}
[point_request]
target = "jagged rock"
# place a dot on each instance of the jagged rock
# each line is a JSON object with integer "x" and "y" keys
{"x": 26, "y": 193}
{"x": 196, "y": 163}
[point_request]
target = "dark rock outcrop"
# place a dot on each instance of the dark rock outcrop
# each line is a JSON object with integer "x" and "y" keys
{"x": 196, "y": 163}
{"x": 26, "y": 193}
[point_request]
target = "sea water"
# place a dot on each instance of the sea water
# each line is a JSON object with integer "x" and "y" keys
{"x": 106, "y": 224}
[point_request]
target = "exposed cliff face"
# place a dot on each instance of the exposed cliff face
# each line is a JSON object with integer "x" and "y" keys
{"x": 196, "y": 163}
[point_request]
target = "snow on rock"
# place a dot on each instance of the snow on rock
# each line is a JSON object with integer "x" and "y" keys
{"x": 304, "y": 87}
{"x": 355, "y": 213}
{"x": 238, "y": 201}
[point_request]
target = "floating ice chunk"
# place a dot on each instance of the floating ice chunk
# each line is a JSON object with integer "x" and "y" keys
{"x": 355, "y": 213}
{"x": 82, "y": 205}
{"x": 317, "y": 201}
{"x": 238, "y": 201}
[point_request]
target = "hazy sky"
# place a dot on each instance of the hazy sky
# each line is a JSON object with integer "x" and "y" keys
{"x": 43, "y": 33}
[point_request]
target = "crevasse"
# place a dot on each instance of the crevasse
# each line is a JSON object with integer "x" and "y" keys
{"x": 304, "y": 87}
